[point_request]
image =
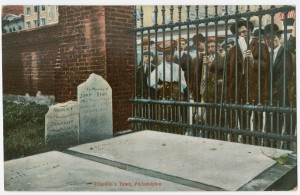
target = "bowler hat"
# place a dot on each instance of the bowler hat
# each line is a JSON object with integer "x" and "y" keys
{"x": 276, "y": 30}
{"x": 200, "y": 38}
{"x": 168, "y": 46}
{"x": 256, "y": 32}
{"x": 241, "y": 23}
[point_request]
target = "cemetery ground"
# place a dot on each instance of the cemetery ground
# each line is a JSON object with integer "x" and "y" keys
{"x": 24, "y": 130}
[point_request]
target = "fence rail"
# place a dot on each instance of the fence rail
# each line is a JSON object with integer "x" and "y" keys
{"x": 244, "y": 94}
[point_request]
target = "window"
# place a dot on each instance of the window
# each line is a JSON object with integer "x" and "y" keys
{"x": 43, "y": 21}
{"x": 28, "y": 24}
{"x": 27, "y": 10}
{"x": 36, "y": 8}
{"x": 56, "y": 10}
{"x": 43, "y": 8}
{"x": 138, "y": 15}
{"x": 49, "y": 12}
{"x": 35, "y": 23}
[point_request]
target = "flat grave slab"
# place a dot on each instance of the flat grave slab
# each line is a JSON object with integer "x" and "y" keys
{"x": 197, "y": 162}
{"x": 56, "y": 171}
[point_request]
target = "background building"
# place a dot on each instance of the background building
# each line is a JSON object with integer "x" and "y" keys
{"x": 12, "y": 18}
{"x": 40, "y": 15}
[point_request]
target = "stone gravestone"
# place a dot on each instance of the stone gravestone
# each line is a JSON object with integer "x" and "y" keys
{"x": 95, "y": 108}
{"x": 62, "y": 124}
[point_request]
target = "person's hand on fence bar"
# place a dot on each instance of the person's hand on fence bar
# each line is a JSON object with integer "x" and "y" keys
{"x": 249, "y": 55}
{"x": 207, "y": 61}
{"x": 220, "y": 81}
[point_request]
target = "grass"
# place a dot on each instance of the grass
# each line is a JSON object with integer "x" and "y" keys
{"x": 24, "y": 130}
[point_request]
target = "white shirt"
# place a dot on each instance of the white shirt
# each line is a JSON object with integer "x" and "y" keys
{"x": 160, "y": 71}
{"x": 275, "y": 52}
{"x": 243, "y": 45}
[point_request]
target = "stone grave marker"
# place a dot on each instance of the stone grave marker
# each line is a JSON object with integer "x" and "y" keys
{"x": 62, "y": 123}
{"x": 95, "y": 108}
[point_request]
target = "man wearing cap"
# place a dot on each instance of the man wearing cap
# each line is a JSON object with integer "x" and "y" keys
{"x": 185, "y": 61}
{"x": 197, "y": 63}
{"x": 277, "y": 74}
{"x": 230, "y": 44}
{"x": 213, "y": 61}
{"x": 148, "y": 45}
{"x": 255, "y": 36}
{"x": 247, "y": 60}
{"x": 170, "y": 81}
{"x": 144, "y": 69}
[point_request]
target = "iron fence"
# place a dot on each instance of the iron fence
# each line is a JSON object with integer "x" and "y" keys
{"x": 233, "y": 97}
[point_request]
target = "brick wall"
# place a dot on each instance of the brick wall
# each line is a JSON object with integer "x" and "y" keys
{"x": 120, "y": 60}
{"x": 56, "y": 59}
{"x": 28, "y": 59}
{"x": 82, "y": 48}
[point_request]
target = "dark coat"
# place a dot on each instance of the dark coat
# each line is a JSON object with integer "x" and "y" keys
{"x": 185, "y": 61}
{"x": 253, "y": 73}
{"x": 196, "y": 77}
{"x": 277, "y": 70}
{"x": 142, "y": 78}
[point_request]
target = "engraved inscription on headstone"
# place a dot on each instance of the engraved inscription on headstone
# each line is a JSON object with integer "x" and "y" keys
{"x": 95, "y": 108}
{"x": 62, "y": 123}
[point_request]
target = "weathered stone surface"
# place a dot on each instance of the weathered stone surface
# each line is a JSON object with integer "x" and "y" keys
{"x": 95, "y": 108}
{"x": 56, "y": 171}
{"x": 62, "y": 123}
{"x": 203, "y": 163}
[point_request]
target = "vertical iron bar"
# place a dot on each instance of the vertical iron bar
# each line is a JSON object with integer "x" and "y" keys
{"x": 196, "y": 96}
{"x": 225, "y": 79}
{"x": 247, "y": 82}
{"x": 179, "y": 60}
{"x": 271, "y": 71}
{"x": 236, "y": 69}
{"x": 206, "y": 65}
{"x": 172, "y": 54}
{"x": 259, "y": 76}
{"x": 284, "y": 76}
{"x": 217, "y": 134}
{"x": 164, "y": 58}
{"x": 148, "y": 76}
{"x": 156, "y": 56}
{"x": 187, "y": 107}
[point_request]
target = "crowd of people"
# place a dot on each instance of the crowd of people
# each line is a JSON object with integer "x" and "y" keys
{"x": 233, "y": 70}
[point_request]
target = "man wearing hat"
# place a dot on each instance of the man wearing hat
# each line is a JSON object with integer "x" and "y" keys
{"x": 148, "y": 45}
{"x": 170, "y": 80}
{"x": 255, "y": 36}
{"x": 212, "y": 61}
{"x": 247, "y": 64}
{"x": 230, "y": 44}
{"x": 277, "y": 72}
{"x": 144, "y": 69}
{"x": 184, "y": 59}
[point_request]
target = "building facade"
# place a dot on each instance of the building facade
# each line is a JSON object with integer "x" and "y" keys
{"x": 40, "y": 15}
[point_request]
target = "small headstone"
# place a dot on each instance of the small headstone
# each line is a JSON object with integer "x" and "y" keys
{"x": 62, "y": 123}
{"x": 95, "y": 108}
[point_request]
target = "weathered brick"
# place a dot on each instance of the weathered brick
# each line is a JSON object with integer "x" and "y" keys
{"x": 55, "y": 59}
